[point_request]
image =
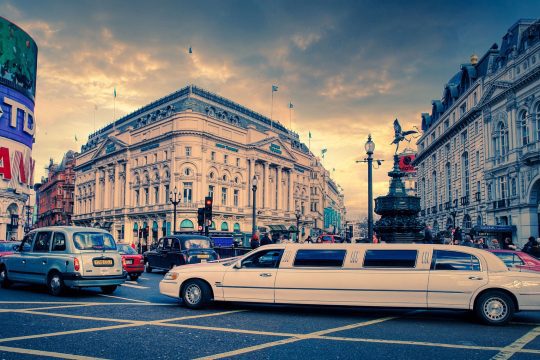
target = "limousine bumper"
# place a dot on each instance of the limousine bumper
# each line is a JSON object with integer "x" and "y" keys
{"x": 77, "y": 280}
{"x": 169, "y": 288}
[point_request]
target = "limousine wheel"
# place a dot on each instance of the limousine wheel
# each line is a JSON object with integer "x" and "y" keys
{"x": 109, "y": 289}
{"x": 494, "y": 308}
{"x": 4, "y": 281}
{"x": 196, "y": 294}
{"x": 56, "y": 284}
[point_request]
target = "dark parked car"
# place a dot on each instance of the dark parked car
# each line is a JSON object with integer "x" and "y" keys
{"x": 177, "y": 250}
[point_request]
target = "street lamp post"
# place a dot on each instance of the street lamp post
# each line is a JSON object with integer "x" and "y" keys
{"x": 370, "y": 148}
{"x": 298, "y": 215}
{"x": 254, "y": 189}
{"x": 175, "y": 201}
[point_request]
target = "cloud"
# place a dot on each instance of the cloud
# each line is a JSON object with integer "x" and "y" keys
{"x": 303, "y": 41}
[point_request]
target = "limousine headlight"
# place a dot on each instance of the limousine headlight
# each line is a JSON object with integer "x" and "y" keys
{"x": 171, "y": 276}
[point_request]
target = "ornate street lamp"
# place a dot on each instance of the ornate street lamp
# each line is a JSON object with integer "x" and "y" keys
{"x": 175, "y": 201}
{"x": 254, "y": 189}
{"x": 370, "y": 148}
{"x": 298, "y": 214}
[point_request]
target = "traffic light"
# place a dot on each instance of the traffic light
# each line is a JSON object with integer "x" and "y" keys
{"x": 200, "y": 218}
{"x": 208, "y": 208}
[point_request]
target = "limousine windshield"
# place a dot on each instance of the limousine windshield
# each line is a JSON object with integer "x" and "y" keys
{"x": 93, "y": 241}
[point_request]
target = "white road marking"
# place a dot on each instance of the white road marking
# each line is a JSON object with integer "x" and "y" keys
{"x": 135, "y": 286}
{"x": 143, "y": 278}
{"x": 123, "y": 298}
{"x": 45, "y": 353}
{"x": 508, "y": 351}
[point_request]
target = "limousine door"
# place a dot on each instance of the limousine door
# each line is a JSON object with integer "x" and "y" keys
{"x": 453, "y": 279}
{"x": 255, "y": 279}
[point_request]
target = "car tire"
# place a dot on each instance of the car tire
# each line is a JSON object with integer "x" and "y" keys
{"x": 109, "y": 289}
{"x": 494, "y": 308}
{"x": 196, "y": 294}
{"x": 4, "y": 281}
{"x": 147, "y": 267}
{"x": 133, "y": 277}
{"x": 55, "y": 284}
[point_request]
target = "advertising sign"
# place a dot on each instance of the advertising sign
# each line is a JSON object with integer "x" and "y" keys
{"x": 405, "y": 163}
{"x": 18, "y": 59}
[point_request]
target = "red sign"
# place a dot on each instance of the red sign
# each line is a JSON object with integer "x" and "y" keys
{"x": 16, "y": 165}
{"x": 405, "y": 163}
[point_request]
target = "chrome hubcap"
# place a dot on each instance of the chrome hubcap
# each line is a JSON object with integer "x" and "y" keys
{"x": 193, "y": 294}
{"x": 55, "y": 283}
{"x": 2, "y": 275}
{"x": 495, "y": 309}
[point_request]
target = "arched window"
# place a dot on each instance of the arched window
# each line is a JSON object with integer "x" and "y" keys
{"x": 503, "y": 139}
{"x": 236, "y": 227}
{"x": 212, "y": 226}
{"x": 224, "y": 226}
{"x": 448, "y": 182}
{"x": 479, "y": 220}
{"x": 524, "y": 128}
{"x": 467, "y": 221}
{"x": 186, "y": 224}
{"x": 537, "y": 122}
{"x": 434, "y": 188}
{"x": 465, "y": 173}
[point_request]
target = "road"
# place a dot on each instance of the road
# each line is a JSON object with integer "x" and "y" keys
{"x": 136, "y": 322}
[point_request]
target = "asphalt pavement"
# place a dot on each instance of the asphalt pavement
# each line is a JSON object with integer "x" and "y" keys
{"x": 136, "y": 322}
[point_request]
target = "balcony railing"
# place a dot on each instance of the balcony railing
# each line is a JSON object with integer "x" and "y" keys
{"x": 434, "y": 209}
{"x": 500, "y": 204}
{"x": 477, "y": 196}
{"x": 464, "y": 200}
{"x": 447, "y": 205}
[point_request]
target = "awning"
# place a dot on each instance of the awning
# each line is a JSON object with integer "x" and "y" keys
{"x": 277, "y": 227}
{"x": 494, "y": 228}
{"x": 292, "y": 228}
{"x": 106, "y": 225}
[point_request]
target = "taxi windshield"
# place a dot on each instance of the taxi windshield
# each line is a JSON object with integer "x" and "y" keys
{"x": 94, "y": 241}
{"x": 197, "y": 244}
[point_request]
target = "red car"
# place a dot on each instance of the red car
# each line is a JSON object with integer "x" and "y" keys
{"x": 8, "y": 247}
{"x": 329, "y": 238}
{"x": 132, "y": 262}
{"x": 518, "y": 259}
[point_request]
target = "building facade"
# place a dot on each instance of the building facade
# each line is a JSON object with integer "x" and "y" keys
{"x": 55, "y": 193}
{"x": 478, "y": 158}
{"x": 18, "y": 64}
{"x": 195, "y": 143}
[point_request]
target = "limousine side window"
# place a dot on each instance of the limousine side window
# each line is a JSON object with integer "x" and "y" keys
{"x": 263, "y": 259}
{"x": 454, "y": 260}
{"x": 390, "y": 258}
{"x": 319, "y": 258}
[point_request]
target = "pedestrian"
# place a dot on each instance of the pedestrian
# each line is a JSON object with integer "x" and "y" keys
{"x": 457, "y": 234}
{"x": 529, "y": 245}
{"x": 428, "y": 235}
{"x": 495, "y": 245}
{"x": 535, "y": 250}
{"x": 508, "y": 244}
{"x": 467, "y": 241}
{"x": 266, "y": 240}
{"x": 309, "y": 239}
{"x": 255, "y": 241}
{"x": 482, "y": 243}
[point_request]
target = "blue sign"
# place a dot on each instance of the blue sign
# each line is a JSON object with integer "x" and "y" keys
{"x": 230, "y": 148}
{"x": 275, "y": 148}
{"x": 110, "y": 148}
{"x": 16, "y": 116}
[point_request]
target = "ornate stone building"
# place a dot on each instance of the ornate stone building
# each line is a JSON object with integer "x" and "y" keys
{"x": 479, "y": 155}
{"x": 199, "y": 144}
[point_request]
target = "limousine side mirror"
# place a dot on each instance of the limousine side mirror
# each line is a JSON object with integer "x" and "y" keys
{"x": 237, "y": 265}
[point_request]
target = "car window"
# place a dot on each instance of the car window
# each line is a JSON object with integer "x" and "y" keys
{"x": 454, "y": 260}
{"x": 176, "y": 244}
{"x": 59, "y": 242}
{"x": 197, "y": 244}
{"x": 124, "y": 249}
{"x": 160, "y": 244}
{"x": 518, "y": 260}
{"x": 42, "y": 242}
{"x": 26, "y": 244}
{"x": 327, "y": 238}
{"x": 390, "y": 258}
{"x": 166, "y": 244}
{"x": 317, "y": 258}
{"x": 263, "y": 259}
{"x": 93, "y": 241}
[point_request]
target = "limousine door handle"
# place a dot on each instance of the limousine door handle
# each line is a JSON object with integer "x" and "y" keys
{"x": 265, "y": 274}
{"x": 475, "y": 278}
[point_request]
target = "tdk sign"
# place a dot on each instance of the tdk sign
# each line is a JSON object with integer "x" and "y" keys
{"x": 16, "y": 117}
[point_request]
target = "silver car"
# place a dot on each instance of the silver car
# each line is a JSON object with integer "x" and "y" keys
{"x": 65, "y": 256}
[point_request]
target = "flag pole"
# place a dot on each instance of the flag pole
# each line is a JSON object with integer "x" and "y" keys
{"x": 290, "y": 115}
{"x": 114, "y": 110}
{"x": 272, "y": 109}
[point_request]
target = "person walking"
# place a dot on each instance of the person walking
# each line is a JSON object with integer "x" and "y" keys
{"x": 266, "y": 240}
{"x": 255, "y": 241}
{"x": 467, "y": 242}
{"x": 309, "y": 239}
{"x": 508, "y": 244}
{"x": 529, "y": 245}
{"x": 428, "y": 235}
{"x": 457, "y": 235}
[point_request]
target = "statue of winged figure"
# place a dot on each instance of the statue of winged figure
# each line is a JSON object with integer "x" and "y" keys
{"x": 400, "y": 135}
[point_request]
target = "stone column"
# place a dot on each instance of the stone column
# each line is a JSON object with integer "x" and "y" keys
{"x": 249, "y": 182}
{"x": 265, "y": 203}
{"x": 291, "y": 192}
{"x": 97, "y": 201}
{"x": 116, "y": 186}
{"x": 279, "y": 198}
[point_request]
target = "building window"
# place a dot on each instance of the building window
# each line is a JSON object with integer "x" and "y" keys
{"x": 155, "y": 158}
{"x": 188, "y": 150}
{"x": 488, "y": 189}
{"x": 433, "y": 136}
{"x": 448, "y": 182}
{"x": 464, "y": 137}
{"x": 238, "y": 162}
{"x": 446, "y": 124}
{"x": 454, "y": 117}
{"x": 476, "y": 127}
{"x": 235, "y": 197}
{"x": 137, "y": 198}
{"x": 167, "y": 193}
{"x": 514, "y": 187}
{"x": 524, "y": 128}
{"x": 475, "y": 99}
{"x": 211, "y": 191}
{"x": 213, "y": 156}
{"x": 156, "y": 195}
{"x": 224, "y": 196}
{"x": 225, "y": 158}
{"x": 502, "y": 187}
{"x": 166, "y": 155}
{"x": 465, "y": 169}
{"x": 188, "y": 192}
{"x": 462, "y": 109}
{"x": 146, "y": 196}
{"x": 145, "y": 160}
{"x": 477, "y": 159}
{"x": 435, "y": 197}
{"x": 187, "y": 172}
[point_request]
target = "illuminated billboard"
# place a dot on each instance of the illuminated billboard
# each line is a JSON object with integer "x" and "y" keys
{"x": 18, "y": 59}
{"x": 405, "y": 163}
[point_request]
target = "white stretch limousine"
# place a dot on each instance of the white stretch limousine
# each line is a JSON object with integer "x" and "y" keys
{"x": 385, "y": 275}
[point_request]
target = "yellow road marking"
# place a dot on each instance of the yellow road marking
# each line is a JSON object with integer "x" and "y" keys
{"x": 45, "y": 353}
{"x": 79, "y": 317}
{"x": 508, "y": 351}
{"x": 297, "y": 337}
{"x": 44, "y": 308}
{"x": 123, "y": 298}
{"x": 201, "y": 316}
{"x": 232, "y": 330}
{"x": 69, "y": 332}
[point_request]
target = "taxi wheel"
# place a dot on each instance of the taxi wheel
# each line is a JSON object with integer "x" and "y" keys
{"x": 494, "y": 308}
{"x": 56, "y": 284}
{"x": 147, "y": 267}
{"x": 108, "y": 289}
{"x": 133, "y": 277}
{"x": 196, "y": 294}
{"x": 4, "y": 281}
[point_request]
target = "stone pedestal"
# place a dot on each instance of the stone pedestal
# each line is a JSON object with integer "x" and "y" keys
{"x": 399, "y": 221}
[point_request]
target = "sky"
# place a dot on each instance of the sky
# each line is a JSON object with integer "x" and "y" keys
{"x": 349, "y": 67}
